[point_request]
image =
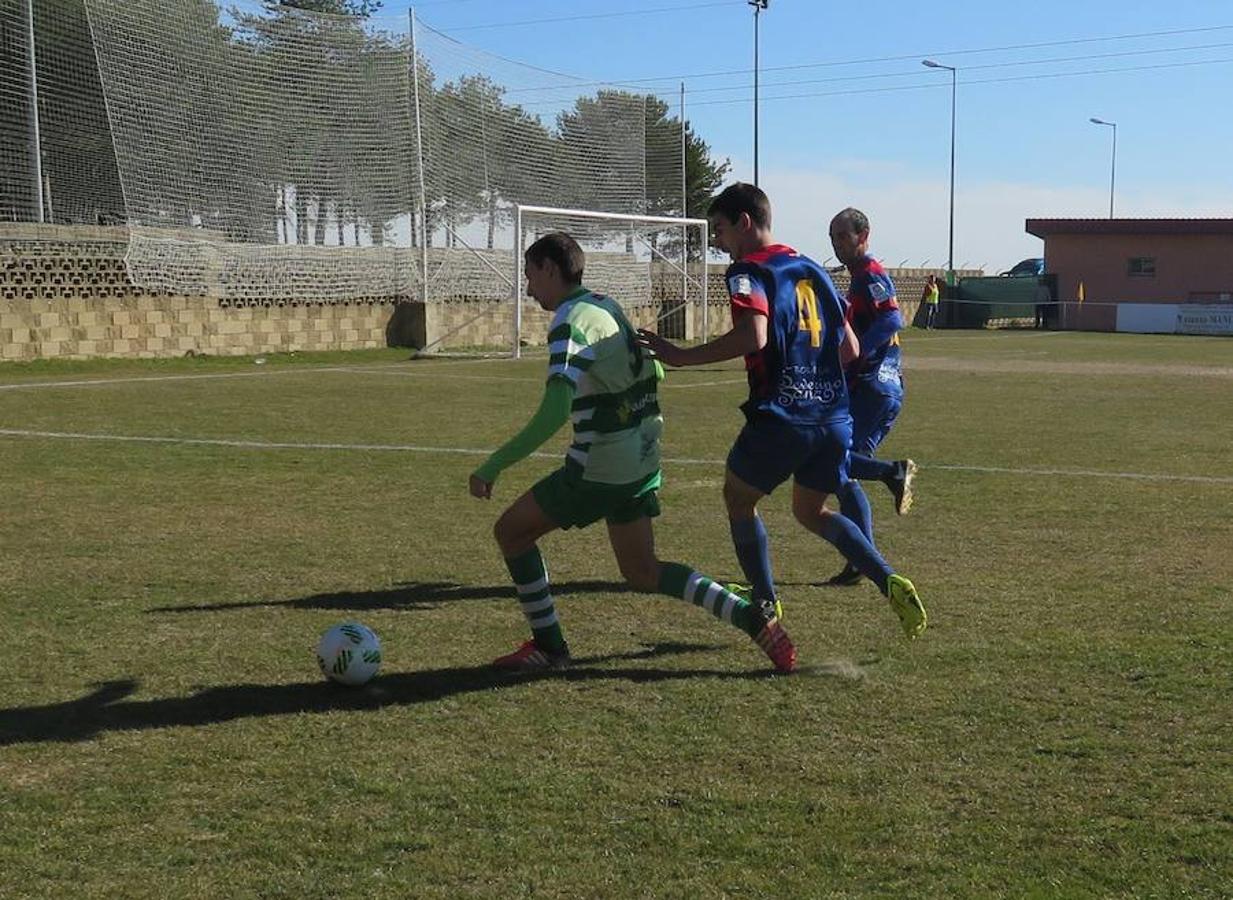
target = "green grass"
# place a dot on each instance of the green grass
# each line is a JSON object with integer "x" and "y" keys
{"x": 1062, "y": 730}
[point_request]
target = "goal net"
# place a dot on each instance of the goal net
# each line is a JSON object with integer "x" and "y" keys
{"x": 653, "y": 266}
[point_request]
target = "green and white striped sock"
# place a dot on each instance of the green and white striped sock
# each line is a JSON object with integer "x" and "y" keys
{"x": 535, "y": 597}
{"x": 684, "y": 583}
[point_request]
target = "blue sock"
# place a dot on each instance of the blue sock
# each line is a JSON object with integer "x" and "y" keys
{"x": 855, "y": 505}
{"x": 848, "y": 540}
{"x": 753, "y": 553}
{"x": 869, "y": 467}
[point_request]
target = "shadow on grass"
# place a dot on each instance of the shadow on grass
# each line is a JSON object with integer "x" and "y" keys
{"x": 410, "y": 596}
{"x": 106, "y": 709}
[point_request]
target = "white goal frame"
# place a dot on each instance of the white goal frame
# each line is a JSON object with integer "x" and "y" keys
{"x": 682, "y": 268}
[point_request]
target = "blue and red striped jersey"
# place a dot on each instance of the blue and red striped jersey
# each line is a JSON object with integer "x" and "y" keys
{"x": 797, "y": 376}
{"x": 874, "y": 313}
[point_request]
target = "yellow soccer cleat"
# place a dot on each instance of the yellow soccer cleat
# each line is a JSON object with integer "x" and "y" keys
{"x": 745, "y": 592}
{"x": 907, "y": 606}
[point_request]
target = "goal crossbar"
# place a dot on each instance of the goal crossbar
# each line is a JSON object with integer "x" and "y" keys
{"x": 633, "y": 219}
{"x": 612, "y": 217}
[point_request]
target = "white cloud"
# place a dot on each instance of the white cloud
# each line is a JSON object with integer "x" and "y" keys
{"x": 908, "y": 215}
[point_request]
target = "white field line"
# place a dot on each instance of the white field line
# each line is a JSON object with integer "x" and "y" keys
{"x": 103, "y": 382}
{"x": 1010, "y": 333}
{"x": 1082, "y": 473}
{"x": 469, "y": 451}
{"x": 945, "y": 364}
{"x": 246, "y": 445}
{"x": 257, "y": 373}
{"x": 359, "y": 370}
{"x": 698, "y": 384}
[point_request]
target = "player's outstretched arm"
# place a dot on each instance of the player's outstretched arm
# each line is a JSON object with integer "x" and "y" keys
{"x": 553, "y": 412}
{"x": 748, "y": 335}
{"x": 849, "y": 346}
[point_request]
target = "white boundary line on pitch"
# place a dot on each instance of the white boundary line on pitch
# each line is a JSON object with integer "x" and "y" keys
{"x": 1009, "y": 332}
{"x": 1082, "y": 473}
{"x": 260, "y": 373}
{"x": 103, "y": 382}
{"x": 361, "y": 370}
{"x": 697, "y": 384}
{"x": 467, "y": 451}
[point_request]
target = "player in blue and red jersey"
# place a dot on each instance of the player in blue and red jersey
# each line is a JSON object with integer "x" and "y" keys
{"x": 875, "y": 381}
{"x": 789, "y": 323}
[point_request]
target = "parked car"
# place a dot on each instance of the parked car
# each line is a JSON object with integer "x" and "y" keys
{"x": 1027, "y": 268}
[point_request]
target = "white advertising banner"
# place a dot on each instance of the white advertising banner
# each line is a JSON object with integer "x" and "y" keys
{"x": 1203, "y": 318}
{"x": 1175, "y": 318}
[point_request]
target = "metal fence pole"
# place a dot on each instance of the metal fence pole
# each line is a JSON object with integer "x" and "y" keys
{"x": 517, "y": 284}
{"x": 419, "y": 155}
{"x": 36, "y": 151}
{"x": 684, "y": 213}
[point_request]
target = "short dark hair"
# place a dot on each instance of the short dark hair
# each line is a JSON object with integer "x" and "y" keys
{"x": 742, "y": 198}
{"x": 562, "y": 250}
{"x": 852, "y": 219}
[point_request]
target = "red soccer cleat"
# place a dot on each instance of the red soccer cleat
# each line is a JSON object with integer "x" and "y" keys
{"x": 530, "y": 658}
{"x": 774, "y": 641}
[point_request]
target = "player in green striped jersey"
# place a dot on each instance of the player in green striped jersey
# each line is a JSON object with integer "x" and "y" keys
{"x": 600, "y": 378}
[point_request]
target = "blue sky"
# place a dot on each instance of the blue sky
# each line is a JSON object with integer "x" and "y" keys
{"x": 863, "y": 123}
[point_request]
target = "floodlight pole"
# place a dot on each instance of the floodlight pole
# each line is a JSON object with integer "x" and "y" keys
{"x": 1113, "y": 162}
{"x": 950, "y": 252}
{"x": 758, "y": 6}
{"x": 36, "y": 153}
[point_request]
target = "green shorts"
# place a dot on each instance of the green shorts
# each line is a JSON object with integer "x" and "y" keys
{"x": 572, "y": 502}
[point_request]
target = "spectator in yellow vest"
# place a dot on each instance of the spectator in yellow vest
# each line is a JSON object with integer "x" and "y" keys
{"x": 930, "y": 298}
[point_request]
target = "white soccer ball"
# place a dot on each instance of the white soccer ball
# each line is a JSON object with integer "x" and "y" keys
{"x": 349, "y": 653}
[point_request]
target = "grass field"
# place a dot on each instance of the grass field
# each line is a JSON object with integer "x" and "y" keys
{"x": 176, "y": 535}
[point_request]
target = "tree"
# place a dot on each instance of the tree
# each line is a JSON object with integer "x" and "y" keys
{"x": 602, "y": 152}
{"x": 361, "y": 9}
{"x": 79, "y": 161}
{"x": 329, "y": 124}
{"x": 703, "y": 175}
{"x": 703, "y": 178}
{"x": 609, "y": 140}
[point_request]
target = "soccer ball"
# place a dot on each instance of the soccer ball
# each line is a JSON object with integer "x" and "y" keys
{"x": 349, "y": 653}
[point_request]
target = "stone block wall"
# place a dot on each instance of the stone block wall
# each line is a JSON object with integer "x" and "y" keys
{"x": 65, "y": 293}
{"x": 147, "y": 327}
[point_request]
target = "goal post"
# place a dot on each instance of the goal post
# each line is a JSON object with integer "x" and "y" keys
{"x": 654, "y": 266}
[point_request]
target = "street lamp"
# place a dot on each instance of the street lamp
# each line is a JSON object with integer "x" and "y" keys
{"x": 950, "y": 252}
{"x": 758, "y": 6}
{"x": 1113, "y": 164}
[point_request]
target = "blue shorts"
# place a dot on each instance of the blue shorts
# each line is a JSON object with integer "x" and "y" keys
{"x": 873, "y": 414}
{"x": 769, "y": 451}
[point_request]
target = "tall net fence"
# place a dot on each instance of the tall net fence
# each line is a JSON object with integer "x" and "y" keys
{"x": 259, "y": 153}
{"x": 498, "y": 133}
{"x": 79, "y": 180}
{"x": 265, "y": 153}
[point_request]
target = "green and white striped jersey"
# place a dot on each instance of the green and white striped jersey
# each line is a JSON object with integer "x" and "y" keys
{"x": 616, "y": 402}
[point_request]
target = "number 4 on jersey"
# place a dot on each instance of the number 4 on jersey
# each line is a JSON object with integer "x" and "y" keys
{"x": 807, "y": 308}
